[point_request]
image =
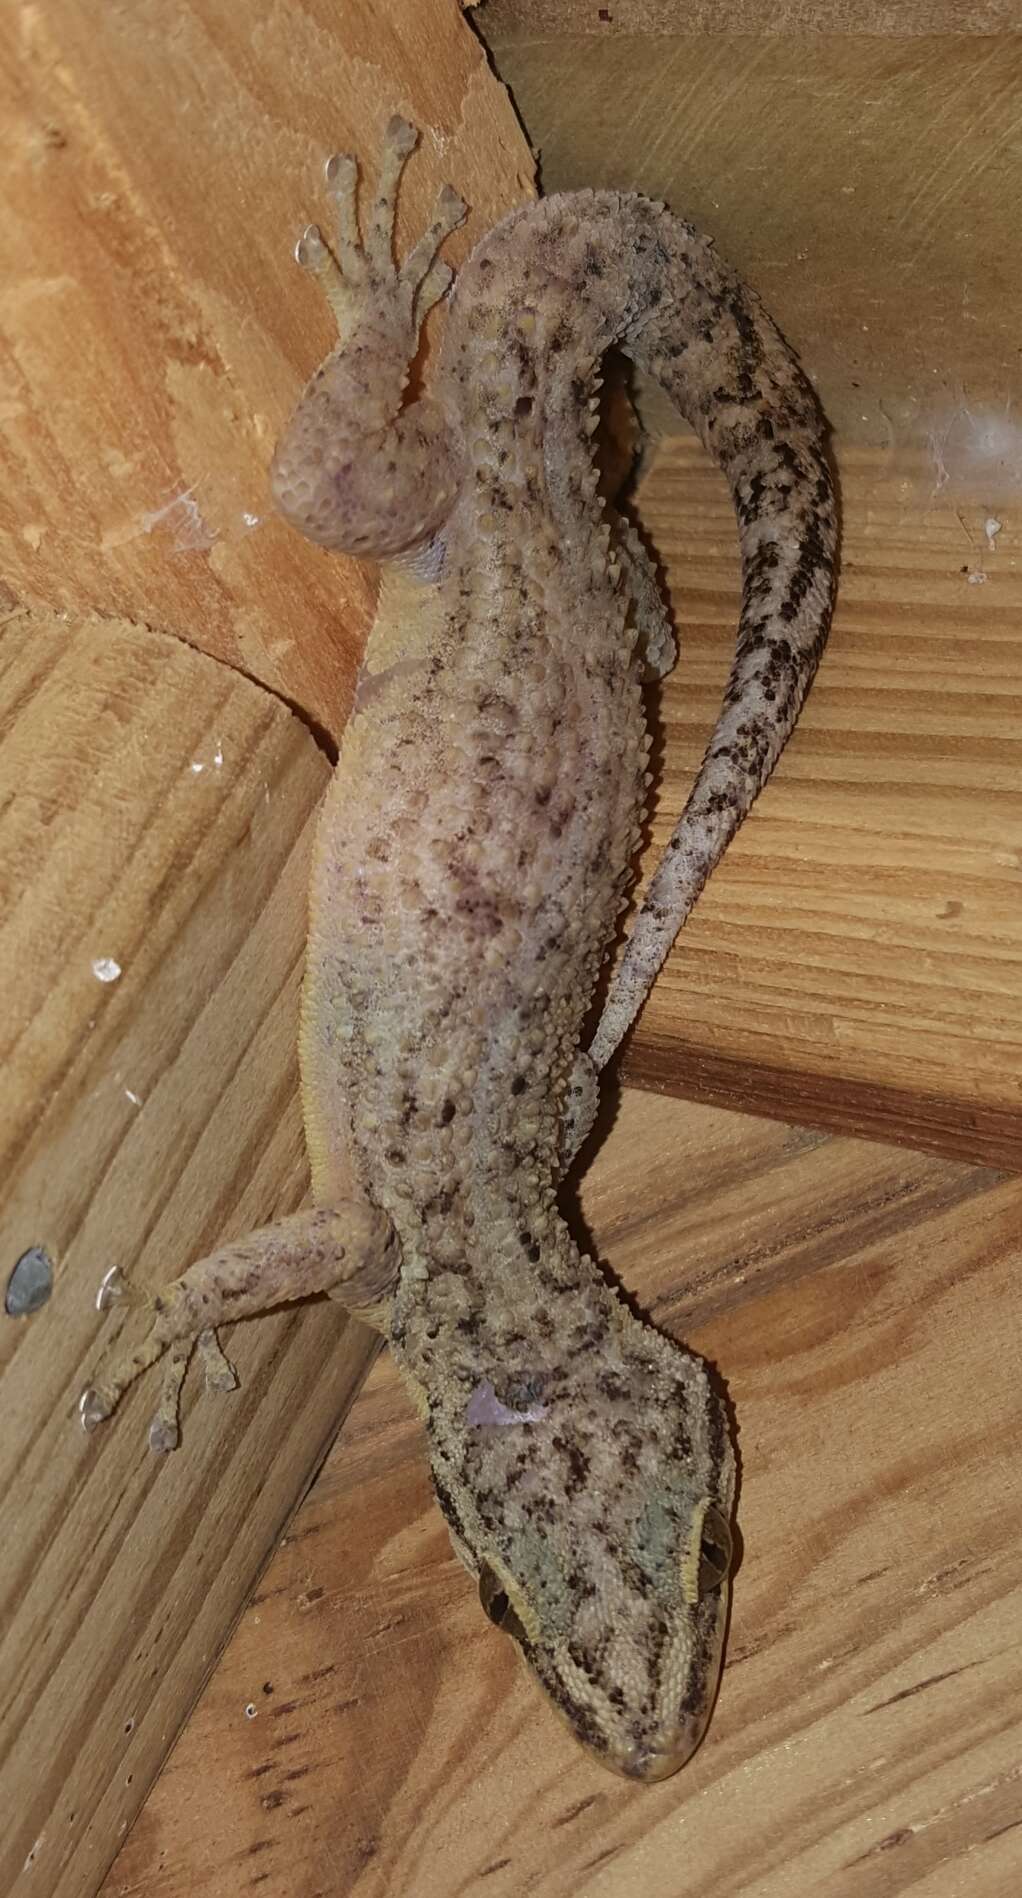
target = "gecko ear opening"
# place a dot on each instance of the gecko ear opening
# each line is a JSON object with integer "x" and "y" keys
{"x": 496, "y": 1604}
{"x": 710, "y": 1553}
{"x": 716, "y": 1551}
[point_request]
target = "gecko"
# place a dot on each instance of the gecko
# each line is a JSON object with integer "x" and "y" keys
{"x": 474, "y": 854}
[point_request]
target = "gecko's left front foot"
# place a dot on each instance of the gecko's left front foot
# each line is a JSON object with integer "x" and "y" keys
{"x": 357, "y": 470}
{"x": 364, "y": 272}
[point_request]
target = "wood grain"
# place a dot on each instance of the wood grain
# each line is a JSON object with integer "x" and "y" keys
{"x": 155, "y": 332}
{"x": 365, "y": 1732}
{"x": 155, "y": 814}
{"x": 676, "y": 18}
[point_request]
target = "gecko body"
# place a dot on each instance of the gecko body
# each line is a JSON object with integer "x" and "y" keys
{"x": 473, "y": 856}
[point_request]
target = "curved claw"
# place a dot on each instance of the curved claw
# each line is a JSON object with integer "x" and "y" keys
{"x": 91, "y": 1409}
{"x": 113, "y": 1286}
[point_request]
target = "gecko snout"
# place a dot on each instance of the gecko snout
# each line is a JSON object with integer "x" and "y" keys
{"x": 652, "y": 1763}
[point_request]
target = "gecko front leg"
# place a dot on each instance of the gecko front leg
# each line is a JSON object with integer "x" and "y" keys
{"x": 356, "y": 469}
{"x": 350, "y": 1253}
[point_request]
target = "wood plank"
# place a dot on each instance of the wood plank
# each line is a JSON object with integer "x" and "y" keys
{"x": 155, "y": 817}
{"x": 864, "y": 184}
{"x": 670, "y": 19}
{"x": 155, "y": 331}
{"x": 857, "y": 960}
{"x": 365, "y": 1732}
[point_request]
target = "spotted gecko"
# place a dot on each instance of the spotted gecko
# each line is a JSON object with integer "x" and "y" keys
{"x": 474, "y": 853}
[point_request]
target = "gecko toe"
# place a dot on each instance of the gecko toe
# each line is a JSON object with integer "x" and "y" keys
{"x": 402, "y": 136}
{"x": 164, "y": 1434}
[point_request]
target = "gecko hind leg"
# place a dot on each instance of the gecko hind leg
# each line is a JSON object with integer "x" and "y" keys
{"x": 657, "y": 642}
{"x": 350, "y": 1253}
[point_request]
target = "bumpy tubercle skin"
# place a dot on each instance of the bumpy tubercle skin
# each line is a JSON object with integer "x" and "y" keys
{"x": 474, "y": 853}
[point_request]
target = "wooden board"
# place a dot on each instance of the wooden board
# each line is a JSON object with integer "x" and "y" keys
{"x": 155, "y": 819}
{"x": 857, "y": 960}
{"x": 367, "y": 1733}
{"x": 669, "y": 19}
{"x": 865, "y": 186}
{"x": 161, "y": 158}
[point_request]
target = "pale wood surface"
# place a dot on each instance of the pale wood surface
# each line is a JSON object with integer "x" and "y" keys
{"x": 142, "y": 1120}
{"x": 857, "y": 960}
{"x": 367, "y": 1733}
{"x": 160, "y": 161}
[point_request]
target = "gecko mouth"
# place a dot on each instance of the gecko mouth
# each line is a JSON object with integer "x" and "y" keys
{"x": 651, "y": 1763}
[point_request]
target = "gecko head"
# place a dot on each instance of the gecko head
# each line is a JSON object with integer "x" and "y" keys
{"x": 599, "y": 1533}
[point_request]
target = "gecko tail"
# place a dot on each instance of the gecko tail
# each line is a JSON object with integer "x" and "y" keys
{"x": 731, "y": 375}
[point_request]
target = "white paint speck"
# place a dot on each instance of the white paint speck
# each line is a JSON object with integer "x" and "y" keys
{"x": 197, "y": 766}
{"x": 135, "y": 1099}
{"x": 991, "y": 528}
{"x": 105, "y": 969}
{"x": 218, "y": 757}
{"x": 977, "y": 579}
{"x": 34, "y": 1853}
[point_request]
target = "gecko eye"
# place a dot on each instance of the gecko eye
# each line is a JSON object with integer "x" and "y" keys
{"x": 496, "y": 1604}
{"x": 715, "y": 1550}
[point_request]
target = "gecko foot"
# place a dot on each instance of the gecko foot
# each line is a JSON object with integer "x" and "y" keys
{"x": 99, "y": 1401}
{"x": 350, "y": 1252}
{"x": 359, "y": 266}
